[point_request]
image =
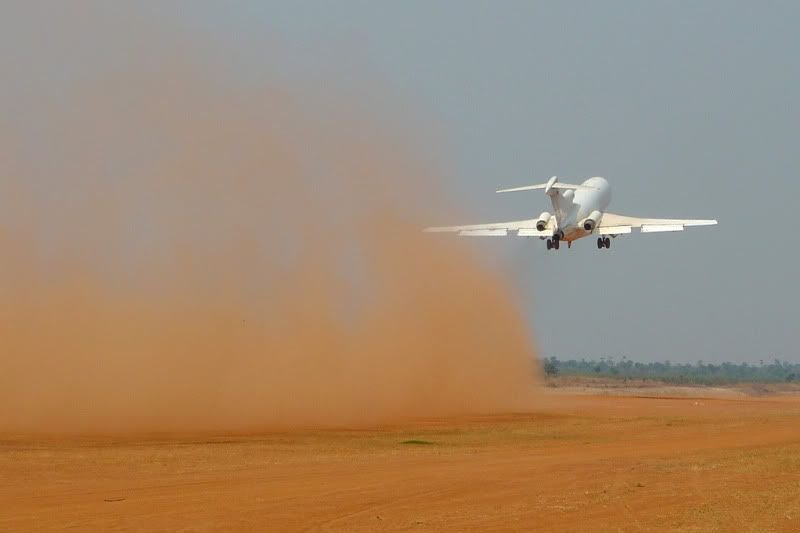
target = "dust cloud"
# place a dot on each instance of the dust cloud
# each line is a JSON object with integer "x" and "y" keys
{"x": 184, "y": 249}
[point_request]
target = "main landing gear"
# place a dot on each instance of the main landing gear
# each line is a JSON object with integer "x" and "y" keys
{"x": 603, "y": 242}
{"x": 554, "y": 243}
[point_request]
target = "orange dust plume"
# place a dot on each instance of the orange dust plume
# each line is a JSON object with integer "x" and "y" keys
{"x": 182, "y": 249}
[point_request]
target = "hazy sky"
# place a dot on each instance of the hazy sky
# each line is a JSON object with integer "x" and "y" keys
{"x": 688, "y": 108}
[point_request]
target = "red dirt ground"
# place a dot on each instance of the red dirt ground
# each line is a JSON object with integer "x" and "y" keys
{"x": 578, "y": 463}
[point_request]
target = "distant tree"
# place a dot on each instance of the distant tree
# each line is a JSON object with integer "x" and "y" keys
{"x": 699, "y": 372}
{"x": 551, "y": 366}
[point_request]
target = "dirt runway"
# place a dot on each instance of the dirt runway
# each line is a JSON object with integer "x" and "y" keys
{"x": 578, "y": 463}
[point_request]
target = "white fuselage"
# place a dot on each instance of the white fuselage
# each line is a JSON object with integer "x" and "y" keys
{"x": 571, "y": 208}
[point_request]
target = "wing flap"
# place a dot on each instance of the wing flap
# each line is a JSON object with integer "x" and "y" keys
{"x": 533, "y": 232}
{"x": 658, "y": 228}
{"x": 512, "y": 225}
{"x": 483, "y": 233}
{"x": 612, "y": 230}
{"x": 521, "y": 228}
{"x": 610, "y": 222}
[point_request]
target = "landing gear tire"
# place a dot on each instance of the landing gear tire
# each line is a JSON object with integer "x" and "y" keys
{"x": 556, "y": 243}
{"x": 600, "y": 243}
{"x": 607, "y": 242}
{"x": 549, "y": 244}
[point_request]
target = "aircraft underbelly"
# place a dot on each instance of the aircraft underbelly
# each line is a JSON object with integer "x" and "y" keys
{"x": 573, "y": 233}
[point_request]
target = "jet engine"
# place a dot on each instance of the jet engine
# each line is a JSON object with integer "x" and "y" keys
{"x": 544, "y": 219}
{"x": 590, "y": 222}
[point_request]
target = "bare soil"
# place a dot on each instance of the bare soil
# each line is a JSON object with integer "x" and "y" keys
{"x": 578, "y": 462}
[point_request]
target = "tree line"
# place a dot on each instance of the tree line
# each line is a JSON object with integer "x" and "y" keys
{"x": 699, "y": 373}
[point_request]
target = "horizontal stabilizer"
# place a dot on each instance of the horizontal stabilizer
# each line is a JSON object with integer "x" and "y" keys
{"x": 556, "y": 185}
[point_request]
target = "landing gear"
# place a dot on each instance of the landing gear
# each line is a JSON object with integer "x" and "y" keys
{"x": 603, "y": 242}
{"x": 554, "y": 243}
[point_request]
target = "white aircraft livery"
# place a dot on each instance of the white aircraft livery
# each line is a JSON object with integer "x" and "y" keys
{"x": 578, "y": 211}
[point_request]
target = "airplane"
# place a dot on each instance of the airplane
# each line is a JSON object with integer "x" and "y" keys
{"x": 578, "y": 211}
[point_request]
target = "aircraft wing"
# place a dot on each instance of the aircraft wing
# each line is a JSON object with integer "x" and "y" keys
{"x": 611, "y": 224}
{"x": 521, "y": 228}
